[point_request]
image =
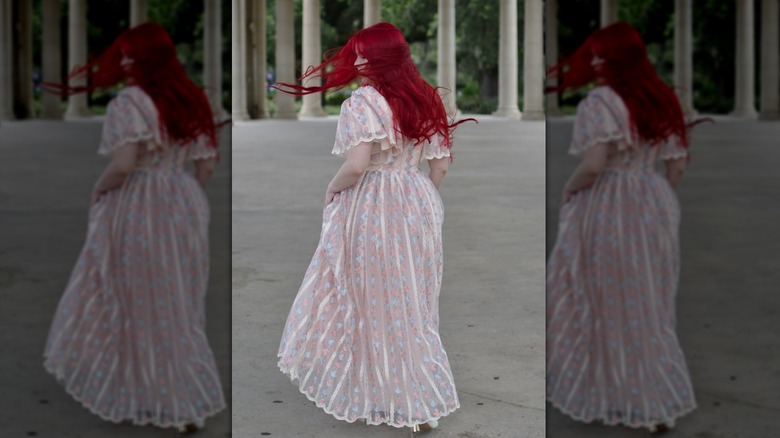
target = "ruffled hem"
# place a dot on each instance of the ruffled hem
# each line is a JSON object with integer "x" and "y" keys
{"x": 132, "y": 420}
{"x": 294, "y": 376}
{"x": 607, "y": 422}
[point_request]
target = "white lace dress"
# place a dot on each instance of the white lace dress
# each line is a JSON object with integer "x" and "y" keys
{"x": 128, "y": 339}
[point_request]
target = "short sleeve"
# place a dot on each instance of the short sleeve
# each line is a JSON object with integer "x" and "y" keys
{"x": 672, "y": 149}
{"x": 131, "y": 118}
{"x": 366, "y": 117}
{"x": 201, "y": 149}
{"x": 601, "y": 118}
{"x": 435, "y": 148}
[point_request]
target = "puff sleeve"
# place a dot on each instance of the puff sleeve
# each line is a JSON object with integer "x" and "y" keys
{"x": 366, "y": 117}
{"x": 672, "y": 149}
{"x": 129, "y": 119}
{"x": 201, "y": 149}
{"x": 435, "y": 148}
{"x": 601, "y": 118}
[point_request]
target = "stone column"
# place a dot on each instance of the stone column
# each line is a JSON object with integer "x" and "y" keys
{"x": 311, "y": 56}
{"x": 445, "y": 61}
{"x": 259, "y": 38}
{"x": 250, "y": 79}
{"x": 6, "y": 64}
{"x": 609, "y": 12}
{"x": 239, "y": 72}
{"x": 744, "y": 99}
{"x": 551, "y": 53}
{"x": 508, "y": 60}
{"x": 212, "y": 56}
{"x": 770, "y": 61}
{"x": 372, "y": 12}
{"x": 138, "y": 12}
{"x": 24, "y": 53}
{"x": 683, "y": 55}
{"x": 533, "y": 61}
{"x": 77, "y": 56}
{"x": 52, "y": 60}
{"x": 285, "y": 58}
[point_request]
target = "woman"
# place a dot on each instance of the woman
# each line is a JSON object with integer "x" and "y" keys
{"x": 612, "y": 351}
{"x": 362, "y": 337}
{"x": 128, "y": 339}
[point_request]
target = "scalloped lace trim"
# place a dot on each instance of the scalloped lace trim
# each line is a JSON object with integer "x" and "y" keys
{"x": 642, "y": 425}
{"x": 203, "y": 155}
{"x": 599, "y": 140}
{"x": 676, "y": 155}
{"x": 444, "y": 153}
{"x": 134, "y": 421}
{"x": 341, "y": 149}
{"x": 140, "y": 138}
{"x": 294, "y": 376}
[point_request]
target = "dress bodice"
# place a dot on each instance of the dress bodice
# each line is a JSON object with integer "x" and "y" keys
{"x": 367, "y": 117}
{"x": 602, "y": 117}
{"x": 132, "y": 117}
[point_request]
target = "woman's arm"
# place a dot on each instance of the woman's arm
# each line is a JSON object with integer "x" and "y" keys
{"x": 204, "y": 169}
{"x": 356, "y": 163}
{"x": 594, "y": 160}
{"x": 122, "y": 163}
{"x": 674, "y": 170}
{"x": 438, "y": 169}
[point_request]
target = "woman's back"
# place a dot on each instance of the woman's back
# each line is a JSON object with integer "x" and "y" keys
{"x": 133, "y": 117}
{"x": 366, "y": 116}
{"x": 604, "y": 117}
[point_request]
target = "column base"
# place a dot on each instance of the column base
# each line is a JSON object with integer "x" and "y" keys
{"x": 748, "y": 113}
{"x": 509, "y": 113}
{"x": 533, "y": 115}
{"x": 51, "y": 110}
{"x": 690, "y": 113}
{"x": 553, "y": 112}
{"x": 221, "y": 114}
{"x": 769, "y": 115}
{"x": 77, "y": 113}
{"x": 286, "y": 115}
{"x": 239, "y": 116}
{"x": 312, "y": 112}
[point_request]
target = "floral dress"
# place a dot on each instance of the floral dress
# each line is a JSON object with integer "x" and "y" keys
{"x": 128, "y": 338}
{"x": 612, "y": 351}
{"x": 362, "y": 337}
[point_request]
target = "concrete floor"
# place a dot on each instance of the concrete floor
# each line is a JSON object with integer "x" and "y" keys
{"x": 492, "y": 301}
{"x": 492, "y": 306}
{"x": 47, "y": 170}
{"x": 728, "y": 300}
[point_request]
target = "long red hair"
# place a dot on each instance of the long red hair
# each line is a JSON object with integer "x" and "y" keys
{"x": 184, "y": 110}
{"x": 654, "y": 109}
{"x": 418, "y": 111}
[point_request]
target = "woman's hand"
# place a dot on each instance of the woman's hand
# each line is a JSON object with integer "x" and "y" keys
{"x": 568, "y": 195}
{"x": 329, "y": 195}
{"x": 96, "y": 195}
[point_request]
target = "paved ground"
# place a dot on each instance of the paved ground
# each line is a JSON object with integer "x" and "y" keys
{"x": 728, "y": 302}
{"x": 47, "y": 170}
{"x": 492, "y": 306}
